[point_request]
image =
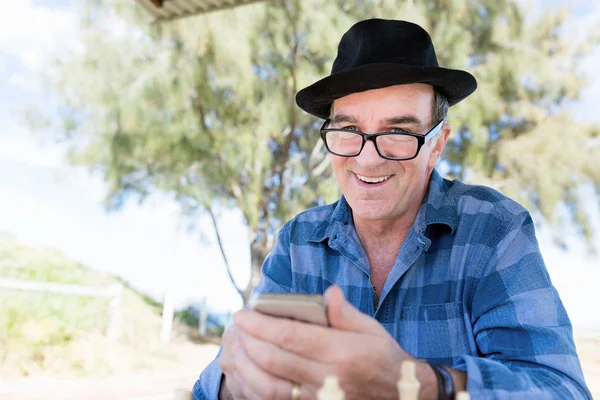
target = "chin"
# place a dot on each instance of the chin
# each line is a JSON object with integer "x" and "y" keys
{"x": 370, "y": 212}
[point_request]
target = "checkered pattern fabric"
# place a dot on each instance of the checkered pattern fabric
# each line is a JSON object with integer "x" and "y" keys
{"x": 469, "y": 289}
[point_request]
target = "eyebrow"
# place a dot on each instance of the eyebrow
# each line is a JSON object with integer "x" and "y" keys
{"x": 405, "y": 120}
{"x": 339, "y": 118}
{"x": 399, "y": 120}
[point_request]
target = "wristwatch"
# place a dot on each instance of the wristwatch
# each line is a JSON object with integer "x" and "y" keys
{"x": 444, "y": 381}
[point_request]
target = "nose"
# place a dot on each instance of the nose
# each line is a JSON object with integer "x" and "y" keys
{"x": 369, "y": 157}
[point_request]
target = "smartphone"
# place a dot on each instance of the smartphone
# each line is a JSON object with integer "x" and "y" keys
{"x": 301, "y": 307}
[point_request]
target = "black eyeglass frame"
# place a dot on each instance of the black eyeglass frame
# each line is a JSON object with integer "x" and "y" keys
{"x": 421, "y": 139}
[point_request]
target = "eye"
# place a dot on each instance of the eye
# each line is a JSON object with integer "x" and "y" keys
{"x": 398, "y": 130}
{"x": 350, "y": 128}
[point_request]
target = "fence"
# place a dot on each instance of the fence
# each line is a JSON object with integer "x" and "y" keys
{"x": 114, "y": 293}
{"x": 169, "y": 312}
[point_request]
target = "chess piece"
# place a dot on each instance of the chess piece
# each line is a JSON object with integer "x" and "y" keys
{"x": 331, "y": 389}
{"x": 463, "y": 396}
{"x": 408, "y": 385}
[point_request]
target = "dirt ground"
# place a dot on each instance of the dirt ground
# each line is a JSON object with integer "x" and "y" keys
{"x": 170, "y": 383}
{"x": 588, "y": 348}
{"x": 160, "y": 384}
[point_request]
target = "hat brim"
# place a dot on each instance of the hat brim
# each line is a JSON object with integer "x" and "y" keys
{"x": 316, "y": 99}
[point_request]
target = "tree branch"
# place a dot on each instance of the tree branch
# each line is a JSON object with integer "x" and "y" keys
{"x": 227, "y": 266}
{"x": 314, "y": 155}
{"x": 292, "y": 112}
{"x": 319, "y": 169}
{"x": 202, "y": 116}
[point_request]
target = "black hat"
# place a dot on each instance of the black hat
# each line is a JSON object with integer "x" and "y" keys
{"x": 377, "y": 53}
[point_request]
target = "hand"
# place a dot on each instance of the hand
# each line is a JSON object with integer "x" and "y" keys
{"x": 358, "y": 350}
{"x": 232, "y": 387}
{"x": 243, "y": 378}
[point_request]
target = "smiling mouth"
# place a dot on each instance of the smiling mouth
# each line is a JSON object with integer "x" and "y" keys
{"x": 371, "y": 180}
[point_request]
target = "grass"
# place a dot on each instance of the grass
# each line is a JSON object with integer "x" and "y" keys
{"x": 55, "y": 334}
{"x": 63, "y": 335}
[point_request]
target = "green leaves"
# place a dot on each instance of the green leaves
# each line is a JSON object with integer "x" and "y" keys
{"x": 203, "y": 107}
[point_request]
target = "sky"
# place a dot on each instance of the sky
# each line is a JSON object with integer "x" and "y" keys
{"x": 44, "y": 202}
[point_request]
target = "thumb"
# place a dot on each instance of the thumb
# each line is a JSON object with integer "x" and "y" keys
{"x": 343, "y": 315}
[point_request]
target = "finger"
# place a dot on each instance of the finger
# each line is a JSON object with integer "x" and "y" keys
{"x": 343, "y": 315}
{"x": 282, "y": 363}
{"x": 235, "y": 385}
{"x": 259, "y": 384}
{"x": 230, "y": 334}
{"x": 308, "y": 340}
{"x": 227, "y": 357}
{"x": 226, "y": 362}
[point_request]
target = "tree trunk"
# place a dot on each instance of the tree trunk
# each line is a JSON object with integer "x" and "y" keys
{"x": 258, "y": 253}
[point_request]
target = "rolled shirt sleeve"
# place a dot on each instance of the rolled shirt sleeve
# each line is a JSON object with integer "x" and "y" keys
{"x": 520, "y": 325}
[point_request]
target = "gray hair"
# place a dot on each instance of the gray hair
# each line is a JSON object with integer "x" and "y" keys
{"x": 440, "y": 107}
{"x": 439, "y": 112}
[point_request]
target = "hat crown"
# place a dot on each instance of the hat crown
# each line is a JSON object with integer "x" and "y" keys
{"x": 378, "y": 53}
{"x": 385, "y": 41}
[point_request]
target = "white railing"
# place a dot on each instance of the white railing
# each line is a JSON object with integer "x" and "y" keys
{"x": 113, "y": 292}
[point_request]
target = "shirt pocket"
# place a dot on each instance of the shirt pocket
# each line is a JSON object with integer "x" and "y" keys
{"x": 436, "y": 332}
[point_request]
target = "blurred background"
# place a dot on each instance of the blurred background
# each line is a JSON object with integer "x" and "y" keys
{"x": 150, "y": 150}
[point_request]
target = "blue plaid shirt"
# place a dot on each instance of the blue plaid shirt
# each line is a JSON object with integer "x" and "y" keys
{"x": 469, "y": 289}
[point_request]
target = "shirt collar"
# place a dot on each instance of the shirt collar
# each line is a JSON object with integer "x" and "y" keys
{"x": 341, "y": 216}
{"x": 438, "y": 208}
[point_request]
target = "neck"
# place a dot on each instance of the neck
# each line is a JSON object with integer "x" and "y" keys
{"x": 372, "y": 232}
{"x": 382, "y": 241}
{"x": 389, "y": 230}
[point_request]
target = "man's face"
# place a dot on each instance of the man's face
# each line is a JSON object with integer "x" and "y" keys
{"x": 404, "y": 182}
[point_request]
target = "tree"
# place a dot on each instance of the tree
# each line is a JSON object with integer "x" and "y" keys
{"x": 514, "y": 134}
{"x": 203, "y": 108}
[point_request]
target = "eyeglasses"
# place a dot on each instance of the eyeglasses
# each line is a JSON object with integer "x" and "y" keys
{"x": 397, "y": 146}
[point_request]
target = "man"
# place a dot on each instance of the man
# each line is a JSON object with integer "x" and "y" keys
{"x": 413, "y": 266}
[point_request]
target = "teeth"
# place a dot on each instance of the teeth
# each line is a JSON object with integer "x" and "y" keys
{"x": 373, "y": 180}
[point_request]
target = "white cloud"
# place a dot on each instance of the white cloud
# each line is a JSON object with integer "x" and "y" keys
{"x": 31, "y": 31}
{"x": 578, "y": 27}
{"x": 586, "y": 108}
{"x": 24, "y": 80}
{"x": 90, "y": 185}
{"x": 19, "y": 145}
{"x": 141, "y": 244}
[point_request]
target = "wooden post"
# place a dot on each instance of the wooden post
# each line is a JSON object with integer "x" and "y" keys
{"x": 202, "y": 318}
{"x": 114, "y": 312}
{"x": 167, "y": 317}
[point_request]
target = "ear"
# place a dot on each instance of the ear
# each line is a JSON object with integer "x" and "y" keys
{"x": 440, "y": 143}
